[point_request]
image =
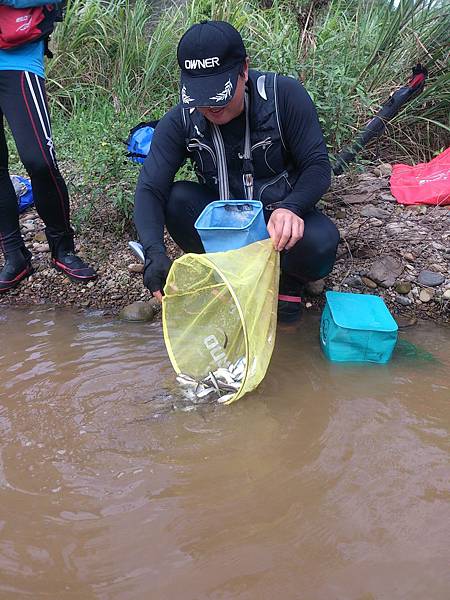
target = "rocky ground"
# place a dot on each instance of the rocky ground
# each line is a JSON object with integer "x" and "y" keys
{"x": 400, "y": 253}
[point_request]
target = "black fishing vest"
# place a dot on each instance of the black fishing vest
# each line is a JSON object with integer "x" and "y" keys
{"x": 273, "y": 172}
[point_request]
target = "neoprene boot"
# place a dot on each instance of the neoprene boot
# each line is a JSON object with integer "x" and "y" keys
{"x": 65, "y": 260}
{"x": 71, "y": 265}
{"x": 17, "y": 267}
{"x": 289, "y": 299}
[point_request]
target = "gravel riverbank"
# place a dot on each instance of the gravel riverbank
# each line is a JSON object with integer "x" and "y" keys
{"x": 400, "y": 253}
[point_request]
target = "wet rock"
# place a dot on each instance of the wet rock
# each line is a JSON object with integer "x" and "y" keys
{"x": 28, "y": 225}
{"x": 404, "y": 300}
{"x": 439, "y": 268}
{"x": 354, "y": 198}
{"x": 394, "y": 228}
{"x": 364, "y": 252}
{"x": 315, "y": 288}
{"x": 354, "y": 281}
{"x": 440, "y": 247}
{"x": 138, "y": 311}
{"x": 41, "y": 248}
{"x": 403, "y": 287}
{"x": 156, "y": 304}
{"x": 373, "y": 211}
{"x": 369, "y": 283}
{"x": 385, "y": 169}
{"x": 430, "y": 278}
{"x": 385, "y": 271}
{"x": 366, "y": 176}
{"x": 371, "y": 183}
{"x": 388, "y": 198}
{"x": 342, "y": 252}
{"x": 40, "y": 237}
{"x": 426, "y": 295}
{"x": 405, "y": 322}
{"x": 136, "y": 268}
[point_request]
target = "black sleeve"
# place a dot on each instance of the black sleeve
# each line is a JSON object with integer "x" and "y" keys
{"x": 304, "y": 141}
{"x": 167, "y": 154}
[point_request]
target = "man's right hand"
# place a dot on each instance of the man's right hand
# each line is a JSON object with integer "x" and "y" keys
{"x": 156, "y": 269}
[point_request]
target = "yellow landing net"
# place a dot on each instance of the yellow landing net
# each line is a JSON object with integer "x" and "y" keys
{"x": 221, "y": 307}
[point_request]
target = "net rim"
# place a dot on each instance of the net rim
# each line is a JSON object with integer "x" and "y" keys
{"x": 202, "y": 259}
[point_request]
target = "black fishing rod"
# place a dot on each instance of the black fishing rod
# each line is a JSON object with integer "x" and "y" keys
{"x": 376, "y": 126}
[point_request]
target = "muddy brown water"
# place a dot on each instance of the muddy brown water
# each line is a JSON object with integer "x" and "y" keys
{"x": 329, "y": 482}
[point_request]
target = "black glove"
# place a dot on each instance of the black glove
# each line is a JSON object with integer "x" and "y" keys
{"x": 156, "y": 268}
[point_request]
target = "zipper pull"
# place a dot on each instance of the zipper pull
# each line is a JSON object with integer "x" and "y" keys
{"x": 199, "y": 133}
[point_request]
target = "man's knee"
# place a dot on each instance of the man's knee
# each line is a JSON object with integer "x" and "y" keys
{"x": 314, "y": 255}
{"x": 321, "y": 236}
{"x": 324, "y": 251}
{"x": 325, "y": 246}
{"x": 176, "y": 198}
{"x": 187, "y": 198}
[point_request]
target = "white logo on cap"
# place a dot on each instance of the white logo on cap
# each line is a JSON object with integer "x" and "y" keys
{"x": 201, "y": 63}
{"x": 226, "y": 93}
{"x": 184, "y": 96}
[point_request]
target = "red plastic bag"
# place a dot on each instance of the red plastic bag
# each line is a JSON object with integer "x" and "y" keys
{"x": 425, "y": 183}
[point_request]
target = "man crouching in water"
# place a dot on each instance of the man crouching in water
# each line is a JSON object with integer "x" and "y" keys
{"x": 251, "y": 135}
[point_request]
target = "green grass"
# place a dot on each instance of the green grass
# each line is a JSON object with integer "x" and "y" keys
{"x": 115, "y": 64}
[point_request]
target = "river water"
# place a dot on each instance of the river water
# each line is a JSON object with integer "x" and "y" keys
{"x": 330, "y": 482}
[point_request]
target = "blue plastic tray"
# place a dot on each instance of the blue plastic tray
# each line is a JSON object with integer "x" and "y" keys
{"x": 357, "y": 328}
{"x": 230, "y": 224}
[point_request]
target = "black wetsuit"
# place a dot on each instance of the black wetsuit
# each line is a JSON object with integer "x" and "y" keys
{"x": 24, "y": 104}
{"x": 160, "y": 202}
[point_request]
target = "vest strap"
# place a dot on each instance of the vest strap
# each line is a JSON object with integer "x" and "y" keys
{"x": 247, "y": 167}
{"x": 222, "y": 169}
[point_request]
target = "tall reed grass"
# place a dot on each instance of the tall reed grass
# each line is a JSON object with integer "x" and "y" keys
{"x": 115, "y": 64}
{"x": 350, "y": 55}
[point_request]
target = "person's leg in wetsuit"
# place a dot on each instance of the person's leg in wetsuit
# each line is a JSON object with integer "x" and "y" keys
{"x": 186, "y": 202}
{"x": 23, "y": 103}
{"x": 310, "y": 259}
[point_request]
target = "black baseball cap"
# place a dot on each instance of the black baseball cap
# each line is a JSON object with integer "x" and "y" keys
{"x": 210, "y": 55}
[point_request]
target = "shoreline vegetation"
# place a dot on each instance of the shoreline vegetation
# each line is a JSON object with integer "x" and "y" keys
{"x": 115, "y": 65}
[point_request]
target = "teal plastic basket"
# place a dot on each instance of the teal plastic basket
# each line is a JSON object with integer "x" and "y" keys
{"x": 357, "y": 328}
{"x": 231, "y": 224}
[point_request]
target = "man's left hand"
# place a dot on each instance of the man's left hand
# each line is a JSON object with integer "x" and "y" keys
{"x": 285, "y": 229}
